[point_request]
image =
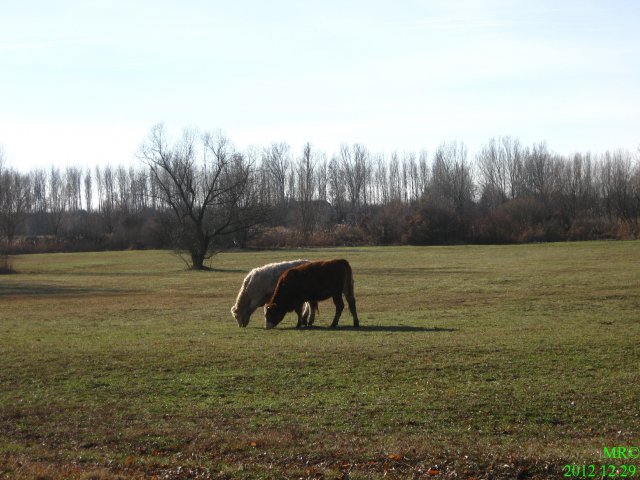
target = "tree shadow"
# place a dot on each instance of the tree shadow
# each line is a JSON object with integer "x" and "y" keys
{"x": 44, "y": 290}
{"x": 227, "y": 270}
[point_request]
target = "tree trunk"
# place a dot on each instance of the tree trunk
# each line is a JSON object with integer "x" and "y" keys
{"x": 197, "y": 260}
{"x": 199, "y": 249}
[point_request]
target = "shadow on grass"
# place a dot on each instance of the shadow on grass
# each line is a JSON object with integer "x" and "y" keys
{"x": 420, "y": 271}
{"x": 401, "y": 328}
{"x": 375, "y": 328}
{"x": 228, "y": 270}
{"x": 23, "y": 289}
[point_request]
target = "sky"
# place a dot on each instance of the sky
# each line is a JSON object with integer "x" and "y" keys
{"x": 83, "y": 82}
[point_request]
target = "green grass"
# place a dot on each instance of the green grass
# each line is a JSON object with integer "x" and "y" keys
{"x": 483, "y": 361}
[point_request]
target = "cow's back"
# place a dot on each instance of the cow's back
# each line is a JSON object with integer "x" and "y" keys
{"x": 321, "y": 280}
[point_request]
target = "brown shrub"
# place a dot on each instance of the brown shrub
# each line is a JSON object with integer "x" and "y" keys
{"x": 525, "y": 212}
{"x": 285, "y": 237}
{"x": 590, "y": 228}
{"x": 625, "y": 230}
{"x": 495, "y": 227}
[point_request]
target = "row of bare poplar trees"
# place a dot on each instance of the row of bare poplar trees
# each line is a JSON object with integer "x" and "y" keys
{"x": 509, "y": 192}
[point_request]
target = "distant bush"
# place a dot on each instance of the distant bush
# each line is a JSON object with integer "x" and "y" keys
{"x": 495, "y": 227}
{"x": 387, "y": 225}
{"x": 287, "y": 237}
{"x": 626, "y": 230}
{"x": 525, "y": 213}
{"x": 590, "y": 228}
{"x": 274, "y": 237}
{"x": 436, "y": 226}
{"x": 154, "y": 234}
{"x": 343, "y": 235}
{"x": 601, "y": 228}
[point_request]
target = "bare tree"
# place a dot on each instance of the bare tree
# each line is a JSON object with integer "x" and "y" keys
{"x": 577, "y": 194}
{"x": 492, "y": 165}
{"x": 541, "y": 172}
{"x": 395, "y": 181}
{"x": 423, "y": 171}
{"x": 123, "y": 190}
{"x": 381, "y": 181}
{"x": 88, "y": 190}
{"x": 322, "y": 179}
{"x": 514, "y": 156}
{"x": 39, "y": 190}
{"x": 7, "y": 204}
{"x": 139, "y": 189}
{"x": 305, "y": 191}
{"x": 616, "y": 185}
{"x": 355, "y": 166}
{"x": 72, "y": 188}
{"x": 500, "y": 164}
{"x": 413, "y": 178}
{"x": 107, "y": 203}
{"x": 337, "y": 189}
{"x": 635, "y": 185}
{"x": 452, "y": 183}
{"x": 14, "y": 201}
{"x": 206, "y": 184}
{"x": 277, "y": 163}
{"x": 56, "y": 202}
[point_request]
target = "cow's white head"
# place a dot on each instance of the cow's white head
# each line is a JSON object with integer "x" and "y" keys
{"x": 241, "y": 317}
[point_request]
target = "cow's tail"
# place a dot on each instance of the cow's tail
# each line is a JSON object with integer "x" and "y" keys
{"x": 350, "y": 294}
{"x": 348, "y": 281}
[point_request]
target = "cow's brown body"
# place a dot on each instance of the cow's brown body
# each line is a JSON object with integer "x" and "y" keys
{"x": 312, "y": 282}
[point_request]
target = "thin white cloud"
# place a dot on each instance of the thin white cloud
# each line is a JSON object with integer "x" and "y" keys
{"x": 26, "y": 46}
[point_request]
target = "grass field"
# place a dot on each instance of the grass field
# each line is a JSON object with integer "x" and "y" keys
{"x": 471, "y": 362}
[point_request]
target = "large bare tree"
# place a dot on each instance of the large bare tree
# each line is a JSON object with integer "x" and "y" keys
{"x": 206, "y": 184}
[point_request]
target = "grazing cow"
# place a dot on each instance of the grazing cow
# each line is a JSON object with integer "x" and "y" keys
{"x": 257, "y": 288}
{"x": 312, "y": 282}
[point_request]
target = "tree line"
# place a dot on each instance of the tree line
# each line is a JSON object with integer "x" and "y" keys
{"x": 199, "y": 193}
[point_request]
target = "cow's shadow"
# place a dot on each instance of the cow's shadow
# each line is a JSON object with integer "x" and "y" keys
{"x": 382, "y": 328}
{"x": 402, "y": 328}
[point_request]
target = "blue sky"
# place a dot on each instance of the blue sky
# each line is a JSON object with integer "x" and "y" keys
{"x": 82, "y": 82}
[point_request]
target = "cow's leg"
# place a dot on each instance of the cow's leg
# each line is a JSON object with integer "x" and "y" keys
{"x": 309, "y": 313}
{"x": 306, "y": 312}
{"x": 301, "y": 320}
{"x": 351, "y": 300}
{"x": 337, "y": 301}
